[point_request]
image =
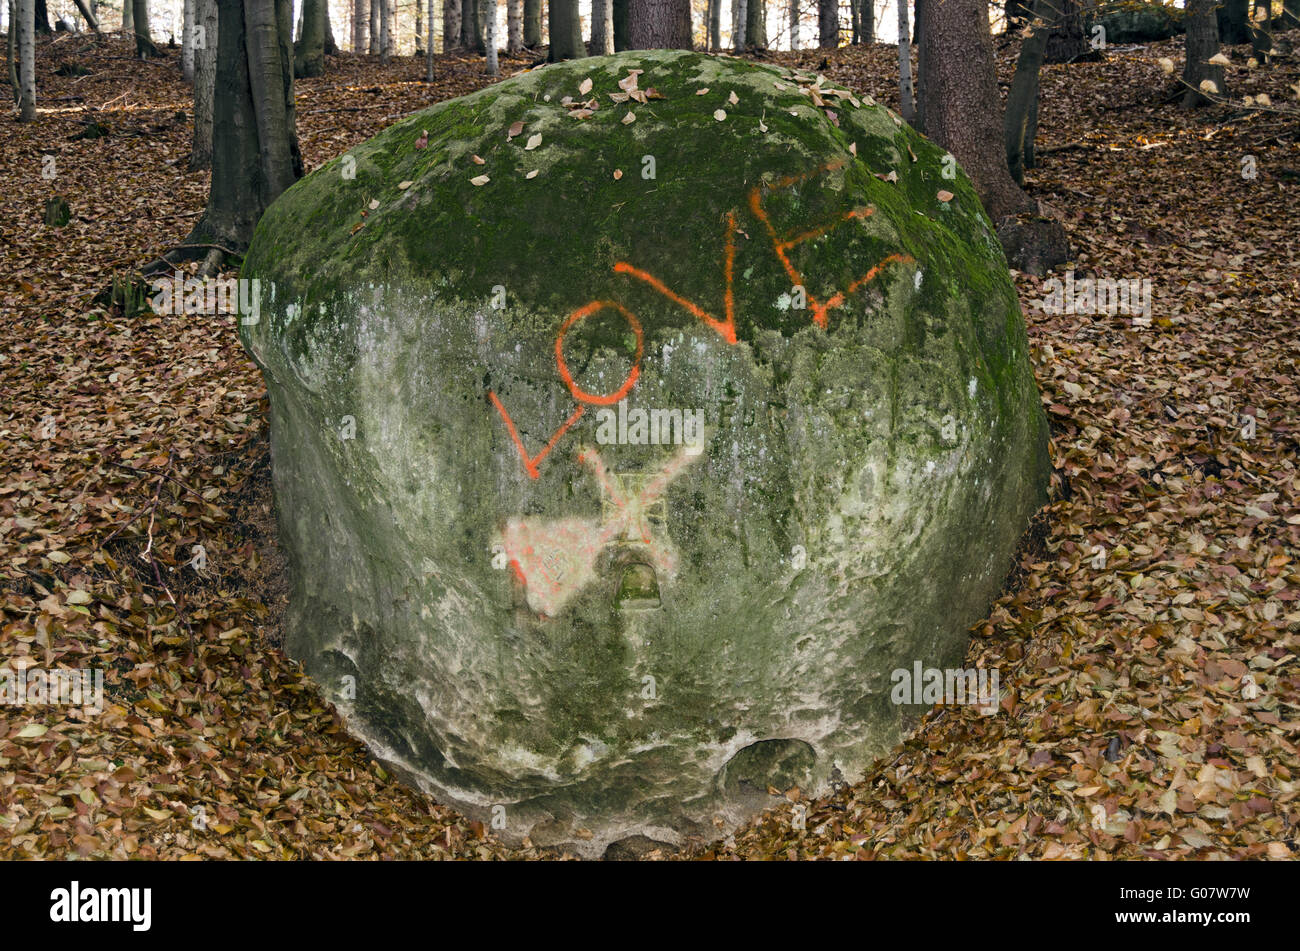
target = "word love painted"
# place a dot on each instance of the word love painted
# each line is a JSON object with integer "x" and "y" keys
{"x": 724, "y": 326}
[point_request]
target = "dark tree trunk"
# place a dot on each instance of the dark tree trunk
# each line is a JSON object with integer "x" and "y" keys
{"x": 309, "y": 50}
{"x": 331, "y": 47}
{"x": 828, "y": 24}
{"x": 144, "y": 47}
{"x": 1261, "y": 29}
{"x": 756, "y": 25}
{"x": 1023, "y": 95}
{"x": 1234, "y": 21}
{"x": 713, "y": 19}
{"x": 532, "y": 23}
{"x": 255, "y": 152}
{"x": 1202, "y": 45}
{"x": 565, "y": 27}
{"x": 620, "y": 26}
{"x": 1066, "y": 42}
{"x": 659, "y": 24}
{"x": 469, "y": 32}
{"x": 963, "y": 112}
{"x": 43, "y": 18}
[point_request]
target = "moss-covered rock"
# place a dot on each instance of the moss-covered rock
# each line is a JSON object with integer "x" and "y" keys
{"x": 1136, "y": 22}
{"x": 551, "y": 623}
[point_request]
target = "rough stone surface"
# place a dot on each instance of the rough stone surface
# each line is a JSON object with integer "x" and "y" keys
{"x": 597, "y": 642}
{"x": 1140, "y": 23}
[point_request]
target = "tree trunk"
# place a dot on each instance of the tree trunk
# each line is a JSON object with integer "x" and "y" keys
{"x": 469, "y": 35}
{"x": 187, "y": 40}
{"x": 26, "y": 60}
{"x": 794, "y": 23}
{"x": 419, "y": 28}
{"x": 659, "y": 24}
{"x": 144, "y": 47}
{"x": 906, "y": 101}
{"x": 855, "y": 22}
{"x": 360, "y": 23}
{"x": 1066, "y": 41}
{"x": 1202, "y": 45}
{"x": 602, "y": 28}
{"x": 309, "y": 50}
{"x": 566, "y": 30}
{"x": 41, "y": 18}
{"x": 713, "y": 14}
{"x": 128, "y": 17}
{"x": 532, "y": 23}
{"x": 490, "y": 36}
{"x": 11, "y": 52}
{"x": 385, "y": 33}
{"x": 756, "y": 24}
{"x": 88, "y": 14}
{"x": 514, "y": 25}
{"x": 1233, "y": 17}
{"x": 739, "y": 10}
{"x": 428, "y": 53}
{"x": 963, "y": 113}
{"x": 372, "y": 45}
{"x": 828, "y": 23}
{"x": 392, "y": 28}
{"x": 255, "y": 153}
{"x": 451, "y": 24}
{"x": 331, "y": 47}
{"x": 1261, "y": 27}
{"x": 620, "y": 26}
{"x": 1024, "y": 90}
{"x": 205, "y": 77}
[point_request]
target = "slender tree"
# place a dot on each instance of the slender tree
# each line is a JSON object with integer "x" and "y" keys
{"x": 794, "y": 23}
{"x": 514, "y": 26}
{"x": 331, "y": 46}
{"x": 128, "y": 17}
{"x": 1202, "y": 44}
{"x": 144, "y": 47}
{"x": 602, "y": 28}
{"x": 907, "y": 103}
{"x": 828, "y": 23}
{"x": 360, "y": 24}
{"x": 532, "y": 23}
{"x": 42, "y": 18}
{"x": 713, "y": 16}
{"x": 450, "y": 24}
{"x": 1023, "y": 95}
{"x": 205, "y": 78}
{"x": 469, "y": 34}
{"x": 756, "y": 24}
{"x": 1066, "y": 42}
{"x": 739, "y": 11}
{"x": 255, "y": 152}
{"x": 86, "y": 9}
{"x": 11, "y": 52}
{"x": 490, "y": 36}
{"x": 963, "y": 113}
{"x": 566, "y": 30}
{"x": 188, "y": 12}
{"x": 1233, "y": 18}
{"x": 385, "y": 35}
{"x": 373, "y": 44}
{"x": 309, "y": 49}
{"x": 428, "y": 52}
{"x": 26, "y": 27}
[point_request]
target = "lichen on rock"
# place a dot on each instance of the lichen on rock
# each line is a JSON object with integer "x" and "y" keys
{"x": 607, "y": 488}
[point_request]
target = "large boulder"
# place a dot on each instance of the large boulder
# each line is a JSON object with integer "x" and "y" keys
{"x": 1136, "y": 22}
{"x": 632, "y": 421}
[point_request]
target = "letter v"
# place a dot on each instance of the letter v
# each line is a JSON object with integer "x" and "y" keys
{"x": 530, "y": 464}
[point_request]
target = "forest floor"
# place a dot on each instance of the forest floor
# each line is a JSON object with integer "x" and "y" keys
{"x": 1147, "y": 641}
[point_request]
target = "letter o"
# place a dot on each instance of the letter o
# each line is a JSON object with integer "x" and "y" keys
{"x": 578, "y": 392}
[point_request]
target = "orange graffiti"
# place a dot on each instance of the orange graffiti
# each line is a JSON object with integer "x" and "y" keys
{"x": 724, "y": 327}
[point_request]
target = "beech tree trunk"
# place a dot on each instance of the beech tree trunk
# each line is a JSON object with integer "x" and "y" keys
{"x": 144, "y": 47}
{"x": 128, "y": 17}
{"x": 713, "y": 14}
{"x": 963, "y": 112}
{"x": 739, "y": 12}
{"x": 469, "y": 35}
{"x": 360, "y": 23}
{"x": 602, "y": 28}
{"x": 451, "y": 24}
{"x": 373, "y": 45}
{"x": 1023, "y": 94}
{"x": 828, "y": 23}
{"x": 11, "y": 52}
{"x": 906, "y": 100}
{"x": 1202, "y": 45}
{"x": 205, "y": 78}
{"x": 794, "y": 23}
{"x": 514, "y": 25}
{"x": 428, "y": 52}
{"x": 255, "y": 154}
{"x": 309, "y": 50}
{"x": 532, "y": 23}
{"x": 566, "y": 30}
{"x": 756, "y": 24}
{"x": 659, "y": 24}
{"x": 490, "y": 36}
{"x": 385, "y": 32}
{"x": 187, "y": 40}
{"x": 1065, "y": 41}
{"x": 26, "y": 28}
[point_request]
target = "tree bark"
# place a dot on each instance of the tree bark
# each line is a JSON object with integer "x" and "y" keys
{"x": 602, "y": 28}
{"x": 906, "y": 101}
{"x": 1202, "y": 44}
{"x": 1024, "y": 91}
{"x": 26, "y": 60}
{"x": 659, "y": 24}
{"x": 360, "y": 23}
{"x": 756, "y": 24}
{"x": 1233, "y": 17}
{"x": 828, "y": 23}
{"x": 514, "y": 25}
{"x": 428, "y": 52}
{"x": 331, "y": 47}
{"x": 128, "y": 17}
{"x": 963, "y": 113}
{"x": 469, "y": 34}
{"x": 1066, "y": 41}
{"x": 11, "y": 52}
{"x": 490, "y": 36}
{"x": 372, "y": 45}
{"x": 309, "y": 50}
{"x": 713, "y": 16}
{"x": 532, "y": 23}
{"x": 255, "y": 154}
{"x": 205, "y": 77}
{"x": 566, "y": 30}
{"x": 88, "y": 14}
{"x": 793, "y": 13}
{"x": 41, "y": 18}
{"x": 187, "y": 40}
{"x": 385, "y": 34}
{"x": 739, "y": 11}
{"x": 451, "y": 24}
{"x": 144, "y": 47}
{"x": 620, "y": 26}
